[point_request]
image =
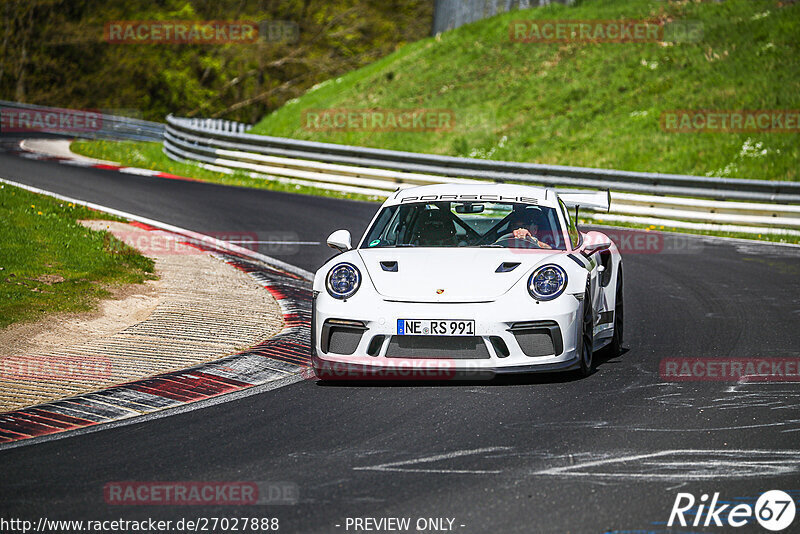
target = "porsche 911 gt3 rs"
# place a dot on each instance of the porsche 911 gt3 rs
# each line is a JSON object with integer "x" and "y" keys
{"x": 479, "y": 277}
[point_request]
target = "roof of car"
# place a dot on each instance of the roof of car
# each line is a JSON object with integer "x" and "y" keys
{"x": 480, "y": 191}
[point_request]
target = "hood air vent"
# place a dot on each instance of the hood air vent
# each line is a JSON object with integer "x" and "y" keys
{"x": 507, "y": 267}
{"x": 389, "y": 266}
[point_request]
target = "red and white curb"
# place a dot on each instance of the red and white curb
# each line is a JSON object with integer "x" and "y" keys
{"x": 58, "y": 150}
{"x": 284, "y": 356}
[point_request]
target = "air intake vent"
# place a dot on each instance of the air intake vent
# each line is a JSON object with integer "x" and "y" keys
{"x": 340, "y": 336}
{"x": 538, "y": 338}
{"x": 455, "y": 347}
{"x": 507, "y": 267}
{"x": 375, "y": 345}
{"x": 500, "y": 346}
{"x": 535, "y": 343}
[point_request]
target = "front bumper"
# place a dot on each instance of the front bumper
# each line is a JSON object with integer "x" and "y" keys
{"x": 511, "y": 336}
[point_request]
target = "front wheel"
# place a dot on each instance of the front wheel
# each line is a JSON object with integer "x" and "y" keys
{"x": 587, "y": 337}
{"x": 615, "y": 347}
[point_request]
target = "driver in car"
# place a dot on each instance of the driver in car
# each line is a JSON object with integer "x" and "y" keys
{"x": 525, "y": 226}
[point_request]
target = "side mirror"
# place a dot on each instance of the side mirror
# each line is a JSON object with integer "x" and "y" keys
{"x": 340, "y": 240}
{"x": 595, "y": 242}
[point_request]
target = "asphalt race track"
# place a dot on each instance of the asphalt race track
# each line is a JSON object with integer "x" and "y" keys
{"x": 530, "y": 454}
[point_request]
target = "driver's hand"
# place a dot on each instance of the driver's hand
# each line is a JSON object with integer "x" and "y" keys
{"x": 522, "y": 233}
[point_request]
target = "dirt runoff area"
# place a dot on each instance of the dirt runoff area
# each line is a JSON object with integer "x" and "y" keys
{"x": 200, "y": 309}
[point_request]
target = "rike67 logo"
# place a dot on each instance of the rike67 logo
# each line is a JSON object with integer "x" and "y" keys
{"x": 774, "y": 510}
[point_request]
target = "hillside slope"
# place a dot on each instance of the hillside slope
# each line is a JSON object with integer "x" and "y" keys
{"x": 580, "y": 103}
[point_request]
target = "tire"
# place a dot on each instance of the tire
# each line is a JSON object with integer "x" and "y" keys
{"x": 615, "y": 347}
{"x": 587, "y": 336}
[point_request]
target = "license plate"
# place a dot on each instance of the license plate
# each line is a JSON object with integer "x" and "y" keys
{"x": 435, "y": 327}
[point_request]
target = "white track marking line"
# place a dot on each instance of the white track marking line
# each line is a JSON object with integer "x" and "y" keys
{"x": 395, "y": 466}
{"x": 138, "y": 171}
{"x": 732, "y": 468}
{"x": 60, "y": 148}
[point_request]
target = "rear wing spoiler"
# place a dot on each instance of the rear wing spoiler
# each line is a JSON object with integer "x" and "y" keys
{"x": 598, "y": 200}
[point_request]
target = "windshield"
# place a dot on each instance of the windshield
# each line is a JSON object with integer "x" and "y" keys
{"x": 466, "y": 224}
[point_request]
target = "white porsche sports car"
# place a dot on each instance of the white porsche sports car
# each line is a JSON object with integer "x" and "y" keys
{"x": 480, "y": 277}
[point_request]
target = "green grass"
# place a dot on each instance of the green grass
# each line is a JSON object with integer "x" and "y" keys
{"x": 40, "y": 241}
{"x": 147, "y": 155}
{"x": 595, "y": 105}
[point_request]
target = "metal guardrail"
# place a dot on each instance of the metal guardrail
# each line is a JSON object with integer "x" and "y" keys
{"x": 223, "y": 147}
{"x": 450, "y": 14}
{"x": 649, "y": 198}
{"x": 109, "y": 127}
{"x": 194, "y": 138}
{"x": 218, "y": 125}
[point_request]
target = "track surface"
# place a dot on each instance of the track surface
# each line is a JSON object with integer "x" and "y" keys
{"x": 485, "y": 454}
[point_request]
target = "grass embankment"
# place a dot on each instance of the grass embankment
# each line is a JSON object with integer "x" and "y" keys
{"x": 150, "y": 156}
{"x": 50, "y": 263}
{"x": 585, "y": 104}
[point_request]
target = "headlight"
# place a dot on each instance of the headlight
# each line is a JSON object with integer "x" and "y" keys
{"x": 547, "y": 282}
{"x": 343, "y": 281}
